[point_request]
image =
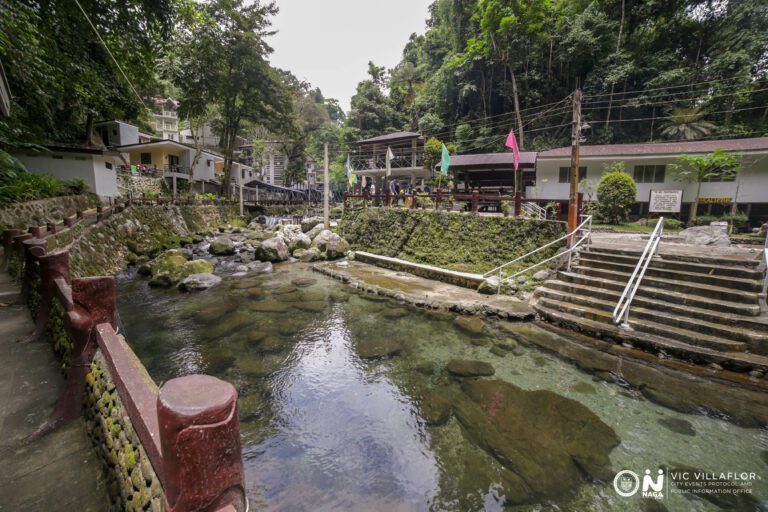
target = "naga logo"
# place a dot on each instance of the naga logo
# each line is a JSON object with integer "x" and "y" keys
{"x": 627, "y": 483}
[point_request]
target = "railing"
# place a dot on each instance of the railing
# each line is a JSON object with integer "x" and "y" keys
{"x": 621, "y": 311}
{"x": 534, "y": 211}
{"x": 403, "y": 159}
{"x": 140, "y": 170}
{"x": 583, "y": 231}
{"x": 764, "y": 293}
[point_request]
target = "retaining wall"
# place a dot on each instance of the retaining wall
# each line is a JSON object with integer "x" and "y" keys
{"x": 175, "y": 448}
{"x": 38, "y": 213}
{"x": 456, "y": 241}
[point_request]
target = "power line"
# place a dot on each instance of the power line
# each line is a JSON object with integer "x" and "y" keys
{"x": 676, "y": 100}
{"x": 662, "y": 88}
{"x": 110, "y": 53}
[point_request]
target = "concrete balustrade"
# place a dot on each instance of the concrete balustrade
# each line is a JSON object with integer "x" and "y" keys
{"x": 180, "y": 444}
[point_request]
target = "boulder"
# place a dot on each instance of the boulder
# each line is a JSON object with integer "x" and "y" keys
{"x": 301, "y": 241}
{"x": 541, "y": 275}
{"x": 467, "y": 368}
{"x": 331, "y": 244}
{"x": 311, "y": 254}
{"x": 274, "y": 249}
{"x": 705, "y": 235}
{"x": 312, "y": 233}
{"x": 435, "y": 408}
{"x": 321, "y": 239}
{"x": 222, "y": 246}
{"x": 197, "y": 267}
{"x": 260, "y": 267}
{"x": 546, "y": 444}
{"x": 199, "y": 282}
{"x": 308, "y": 224}
{"x": 169, "y": 264}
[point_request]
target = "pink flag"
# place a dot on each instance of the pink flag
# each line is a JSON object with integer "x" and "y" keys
{"x": 512, "y": 144}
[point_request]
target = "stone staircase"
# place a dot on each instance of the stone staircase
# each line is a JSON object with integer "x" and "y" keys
{"x": 699, "y": 305}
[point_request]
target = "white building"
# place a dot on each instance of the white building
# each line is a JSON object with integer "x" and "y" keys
{"x": 96, "y": 166}
{"x": 165, "y": 119}
{"x": 649, "y": 165}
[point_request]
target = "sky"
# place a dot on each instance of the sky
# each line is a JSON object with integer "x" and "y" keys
{"x": 329, "y": 42}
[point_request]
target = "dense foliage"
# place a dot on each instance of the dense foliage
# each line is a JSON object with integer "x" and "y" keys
{"x": 677, "y": 69}
{"x": 616, "y": 193}
{"x": 716, "y": 166}
{"x": 18, "y": 185}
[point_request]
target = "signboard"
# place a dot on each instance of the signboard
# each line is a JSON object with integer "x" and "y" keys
{"x": 722, "y": 226}
{"x": 665, "y": 201}
{"x": 724, "y": 200}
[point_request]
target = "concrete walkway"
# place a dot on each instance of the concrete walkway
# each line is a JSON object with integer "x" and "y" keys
{"x": 425, "y": 292}
{"x": 59, "y": 472}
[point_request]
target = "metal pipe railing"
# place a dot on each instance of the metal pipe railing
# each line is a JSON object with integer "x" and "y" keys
{"x": 621, "y": 311}
{"x": 764, "y": 291}
{"x": 586, "y": 225}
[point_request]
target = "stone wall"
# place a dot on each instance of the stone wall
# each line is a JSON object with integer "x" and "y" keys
{"x": 456, "y": 241}
{"x": 138, "y": 231}
{"x": 37, "y": 213}
{"x": 133, "y": 483}
{"x": 135, "y": 186}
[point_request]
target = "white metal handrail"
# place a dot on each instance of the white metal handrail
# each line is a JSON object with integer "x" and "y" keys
{"x": 621, "y": 311}
{"x": 532, "y": 210}
{"x": 764, "y": 291}
{"x": 586, "y": 237}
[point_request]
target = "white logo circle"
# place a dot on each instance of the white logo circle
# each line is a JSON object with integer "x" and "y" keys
{"x": 626, "y": 483}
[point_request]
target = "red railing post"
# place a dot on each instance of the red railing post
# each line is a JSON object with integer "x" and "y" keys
{"x": 438, "y": 198}
{"x": 475, "y": 201}
{"x": 518, "y": 203}
{"x": 8, "y": 236}
{"x": 559, "y": 211}
{"x": 200, "y": 441}
{"x": 388, "y": 198}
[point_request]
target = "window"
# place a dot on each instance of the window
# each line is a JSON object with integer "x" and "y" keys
{"x": 108, "y": 165}
{"x": 146, "y": 158}
{"x": 721, "y": 177}
{"x": 565, "y": 174}
{"x": 650, "y": 173}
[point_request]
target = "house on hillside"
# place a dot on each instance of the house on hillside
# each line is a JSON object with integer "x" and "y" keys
{"x": 167, "y": 158}
{"x": 95, "y": 166}
{"x": 649, "y": 165}
{"x": 165, "y": 118}
{"x": 370, "y": 159}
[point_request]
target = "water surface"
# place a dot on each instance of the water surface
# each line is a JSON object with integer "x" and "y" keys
{"x": 326, "y": 429}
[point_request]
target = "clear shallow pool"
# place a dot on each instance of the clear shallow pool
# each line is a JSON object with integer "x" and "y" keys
{"x": 326, "y": 429}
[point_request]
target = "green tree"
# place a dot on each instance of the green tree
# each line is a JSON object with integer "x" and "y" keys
{"x": 686, "y": 124}
{"x": 718, "y": 165}
{"x": 616, "y": 193}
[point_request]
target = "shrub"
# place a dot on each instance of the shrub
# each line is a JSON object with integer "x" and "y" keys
{"x": 616, "y": 192}
{"x": 77, "y": 186}
{"x": 738, "y": 221}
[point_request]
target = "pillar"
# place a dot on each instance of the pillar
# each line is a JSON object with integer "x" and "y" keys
{"x": 200, "y": 442}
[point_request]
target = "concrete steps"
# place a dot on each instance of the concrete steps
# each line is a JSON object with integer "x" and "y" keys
{"x": 703, "y": 308}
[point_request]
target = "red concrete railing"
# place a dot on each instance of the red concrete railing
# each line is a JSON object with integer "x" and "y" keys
{"x": 188, "y": 428}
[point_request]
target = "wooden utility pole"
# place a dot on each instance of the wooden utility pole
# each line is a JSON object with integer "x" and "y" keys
{"x": 573, "y": 198}
{"x": 326, "y": 191}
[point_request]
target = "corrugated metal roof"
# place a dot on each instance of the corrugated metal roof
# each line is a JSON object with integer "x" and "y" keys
{"x": 391, "y": 137}
{"x": 663, "y": 148}
{"x": 492, "y": 160}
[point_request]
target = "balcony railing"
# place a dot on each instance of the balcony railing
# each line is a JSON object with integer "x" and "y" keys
{"x": 403, "y": 159}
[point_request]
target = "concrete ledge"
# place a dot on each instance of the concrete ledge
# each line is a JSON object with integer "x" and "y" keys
{"x": 465, "y": 279}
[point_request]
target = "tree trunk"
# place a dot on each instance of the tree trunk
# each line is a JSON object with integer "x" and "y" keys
{"x": 694, "y": 206}
{"x": 89, "y": 130}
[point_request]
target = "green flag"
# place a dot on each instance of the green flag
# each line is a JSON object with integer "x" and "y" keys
{"x": 446, "y": 161}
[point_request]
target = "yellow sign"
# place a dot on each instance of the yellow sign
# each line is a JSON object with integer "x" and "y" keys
{"x": 715, "y": 200}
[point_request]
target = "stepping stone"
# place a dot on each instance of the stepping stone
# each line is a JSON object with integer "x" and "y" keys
{"x": 467, "y": 368}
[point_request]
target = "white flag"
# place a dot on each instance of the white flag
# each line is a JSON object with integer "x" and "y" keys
{"x": 390, "y": 156}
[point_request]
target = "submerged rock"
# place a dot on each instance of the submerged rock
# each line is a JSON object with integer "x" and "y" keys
{"x": 678, "y": 426}
{"x": 214, "y": 310}
{"x": 375, "y": 348}
{"x": 584, "y": 388}
{"x": 199, "y": 282}
{"x": 268, "y": 306}
{"x": 467, "y": 368}
{"x": 546, "y": 443}
{"x": 470, "y": 324}
{"x": 435, "y": 408}
{"x": 303, "y": 282}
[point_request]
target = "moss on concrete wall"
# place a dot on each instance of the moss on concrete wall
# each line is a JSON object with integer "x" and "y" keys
{"x": 140, "y": 230}
{"x": 37, "y": 213}
{"x": 450, "y": 240}
{"x": 133, "y": 484}
{"x": 57, "y": 334}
